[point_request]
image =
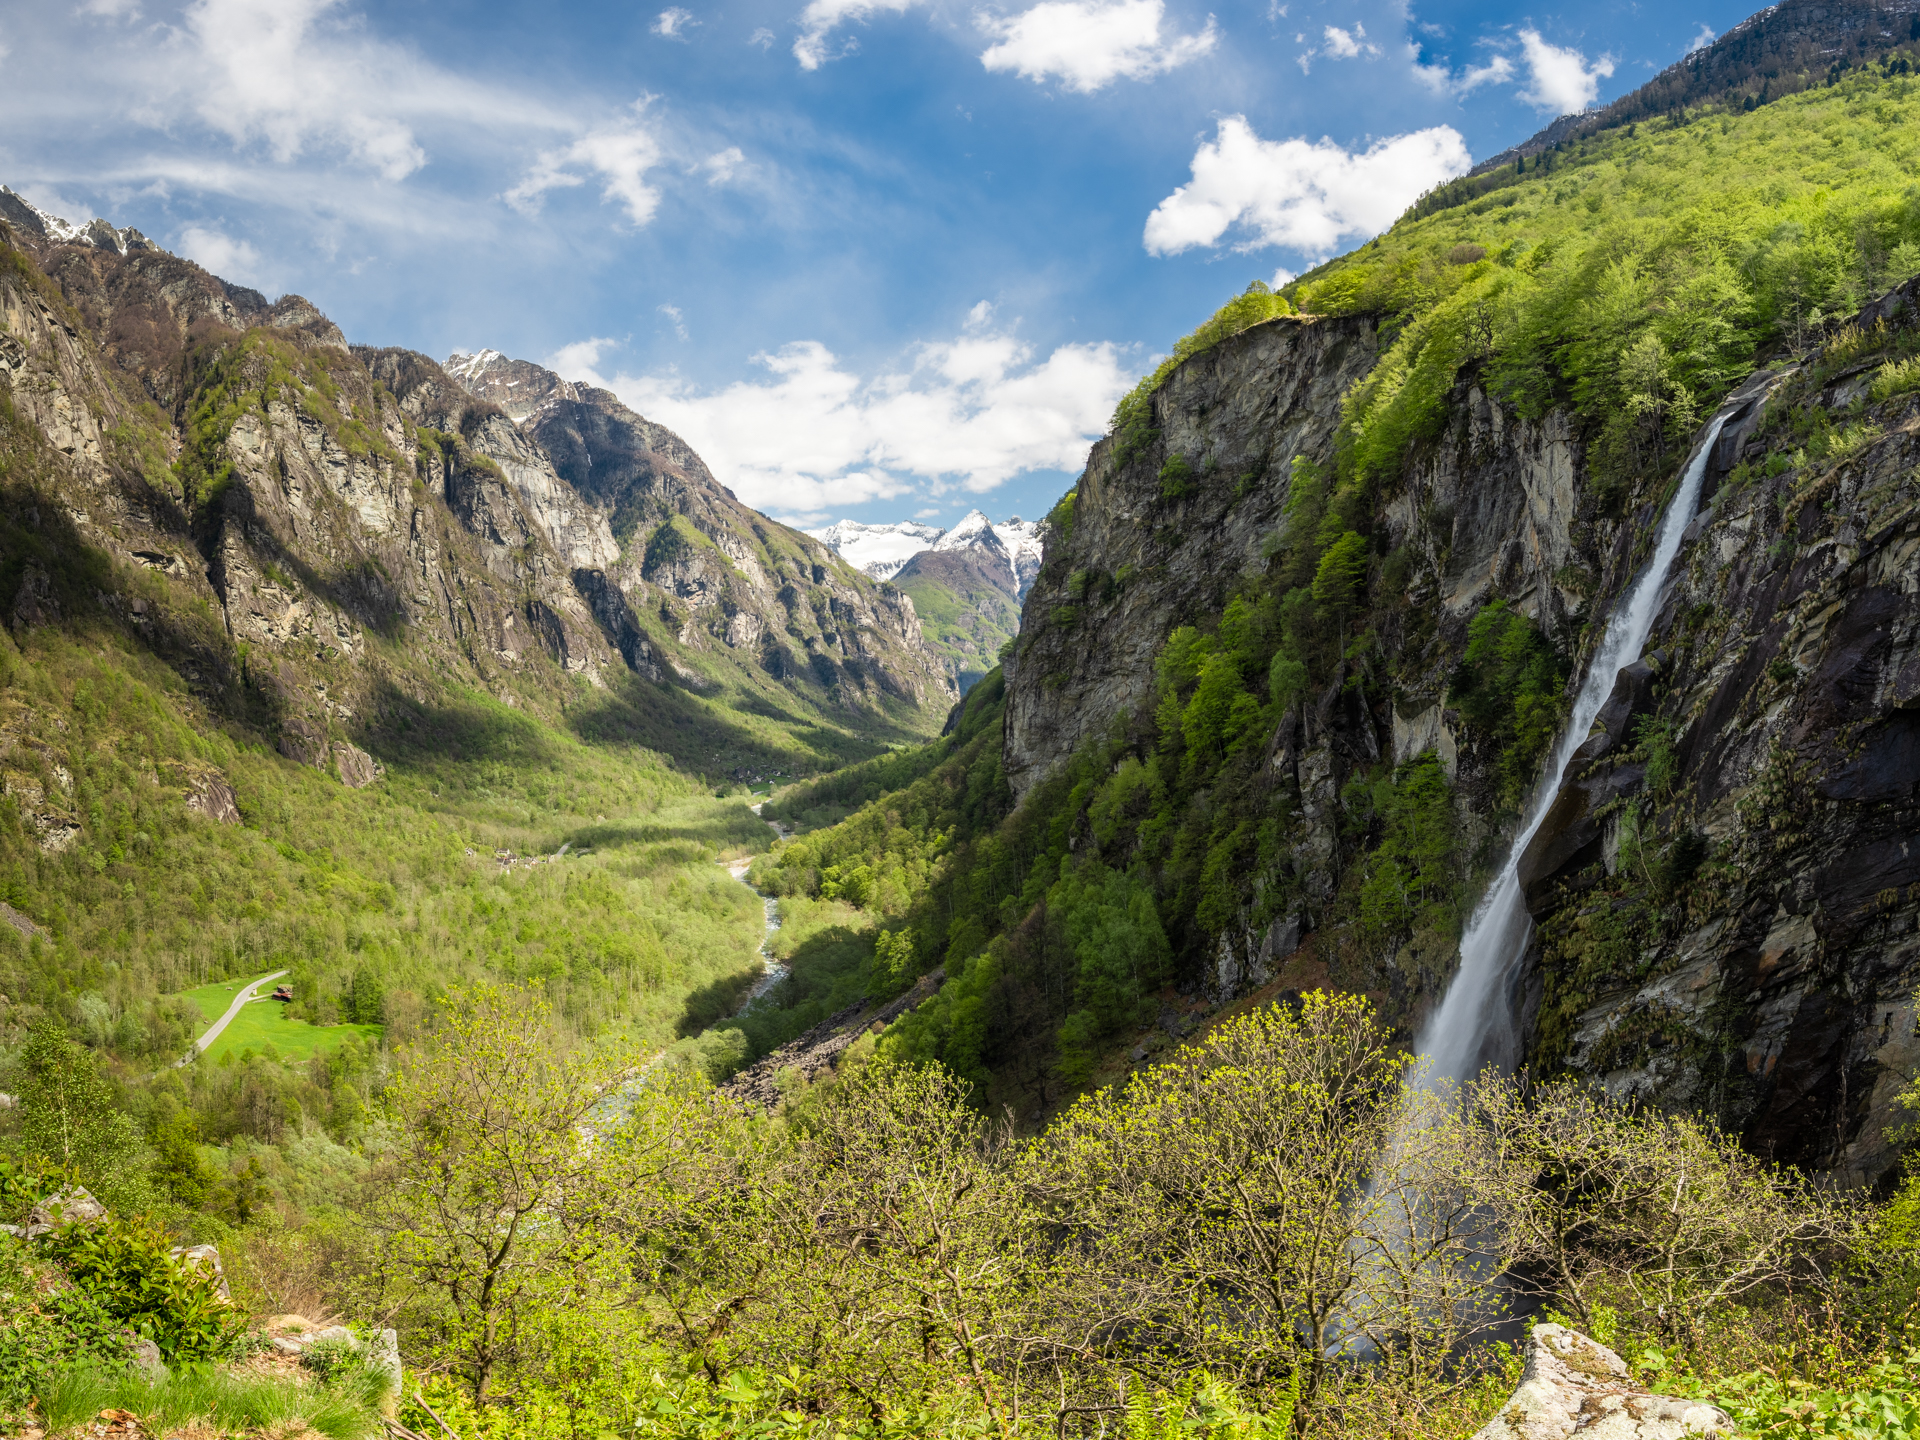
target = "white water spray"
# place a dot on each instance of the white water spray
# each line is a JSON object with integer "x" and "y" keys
{"x": 1474, "y": 1026}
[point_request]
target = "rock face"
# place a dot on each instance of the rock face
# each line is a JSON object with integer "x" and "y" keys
{"x": 1127, "y": 565}
{"x": 1574, "y": 1386}
{"x": 731, "y": 586}
{"x": 1739, "y": 934}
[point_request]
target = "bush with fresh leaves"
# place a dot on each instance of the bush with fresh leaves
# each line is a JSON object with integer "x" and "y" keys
{"x": 124, "y": 1265}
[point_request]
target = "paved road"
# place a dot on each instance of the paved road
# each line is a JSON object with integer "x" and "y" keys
{"x": 213, "y": 1034}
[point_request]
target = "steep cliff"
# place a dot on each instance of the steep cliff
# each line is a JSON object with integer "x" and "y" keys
{"x": 1728, "y": 884}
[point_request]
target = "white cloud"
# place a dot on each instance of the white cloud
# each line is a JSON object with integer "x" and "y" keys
{"x": 1563, "y": 82}
{"x": 1345, "y": 45}
{"x": 620, "y": 154}
{"x": 111, "y": 9}
{"x": 672, "y": 312}
{"x": 674, "y": 23}
{"x": 966, "y": 413}
{"x": 762, "y": 37}
{"x": 218, "y": 252}
{"x": 721, "y": 166}
{"x": 1705, "y": 38}
{"x": 1088, "y": 44}
{"x": 288, "y": 74}
{"x": 576, "y": 361}
{"x": 1442, "y": 81}
{"x": 1288, "y": 192}
{"x": 1282, "y": 278}
{"x": 822, "y": 17}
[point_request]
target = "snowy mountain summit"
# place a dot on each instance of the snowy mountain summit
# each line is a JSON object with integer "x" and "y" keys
{"x": 883, "y": 550}
{"x": 16, "y": 209}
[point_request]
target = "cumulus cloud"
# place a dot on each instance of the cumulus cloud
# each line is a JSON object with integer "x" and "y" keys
{"x": 1346, "y": 44}
{"x": 1306, "y": 196}
{"x": 762, "y": 37}
{"x": 1705, "y": 38}
{"x": 620, "y": 155}
{"x": 1087, "y": 44}
{"x": 822, "y": 17}
{"x": 1563, "y": 83}
{"x": 674, "y": 23}
{"x": 576, "y": 361}
{"x": 966, "y": 413}
{"x": 1442, "y": 80}
{"x": 220, "y": 253}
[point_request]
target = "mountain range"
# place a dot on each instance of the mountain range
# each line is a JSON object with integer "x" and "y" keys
{"x": 363, "y": 527}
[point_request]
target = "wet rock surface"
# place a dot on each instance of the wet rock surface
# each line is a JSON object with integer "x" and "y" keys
{"x": 1741, "y": 933}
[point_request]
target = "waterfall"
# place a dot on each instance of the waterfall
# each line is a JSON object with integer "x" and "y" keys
{"x": 1474, "y": 1026}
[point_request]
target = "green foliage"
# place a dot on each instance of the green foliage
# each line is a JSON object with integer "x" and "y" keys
{"x": 1176, "y": 478}
{"x": 1896, "y": 377}
{"x": 1413, "y": 877}
{"x": 71, "y": 1121}
{"x": 1509, "y": 689}
{"x": 203, "y": 1397}
{"x": 1636, "y": 276}
{"x": 124, "y": 1266}
{"x": 1341, "y": 573}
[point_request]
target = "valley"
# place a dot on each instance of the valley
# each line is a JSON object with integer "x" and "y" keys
{"x": 1405, "y": 880}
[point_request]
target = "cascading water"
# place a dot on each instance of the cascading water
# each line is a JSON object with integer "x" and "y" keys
{"x": 1474, "y": 1025}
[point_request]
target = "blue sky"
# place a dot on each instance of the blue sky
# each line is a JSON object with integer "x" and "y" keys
{"x": 874, "y": 258}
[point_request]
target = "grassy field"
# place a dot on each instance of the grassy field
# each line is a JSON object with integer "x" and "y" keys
{"x": 213, "y": 999}
{"x": 262, "y": 1024}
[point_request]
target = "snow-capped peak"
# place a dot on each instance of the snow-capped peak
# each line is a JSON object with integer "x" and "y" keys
{"x": 884, "y": 550}
{"x": 463, "y": 365}
{"x": 880, "y": 550}
{"x": 973, "y": 532}
{"x": 18, "y": 210}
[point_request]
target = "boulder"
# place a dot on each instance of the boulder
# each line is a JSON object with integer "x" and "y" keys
{"x": 1573, "y": 1385}
{"x": 68, "y": 1207}
{"x": 209, "y": 794}
{"x": 354, "y": 765}
{"x": 383, "y": 1356}
{"x": 205, "y": 1259}
{"x": 144, "y": 1356}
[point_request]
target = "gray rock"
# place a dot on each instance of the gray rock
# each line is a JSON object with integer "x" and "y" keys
{"x": 354, "y": 765}
{"x": 205, "y": 1258}
{"x": 1576, "y": 1385}
{"x": 288, "y": 1344}
{"x": 383, "y": 1357}
{"x": 144, "y": 1356}
{"x": 334, "y": 1335}
{"x": 68, "y": 1207}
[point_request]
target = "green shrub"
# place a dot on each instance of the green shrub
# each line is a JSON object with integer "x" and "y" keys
{"x": 124, "y": 1266}
{"x": 1508, "y": 687}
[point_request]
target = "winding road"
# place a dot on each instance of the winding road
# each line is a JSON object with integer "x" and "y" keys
{"x": 213, "y": 1031}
